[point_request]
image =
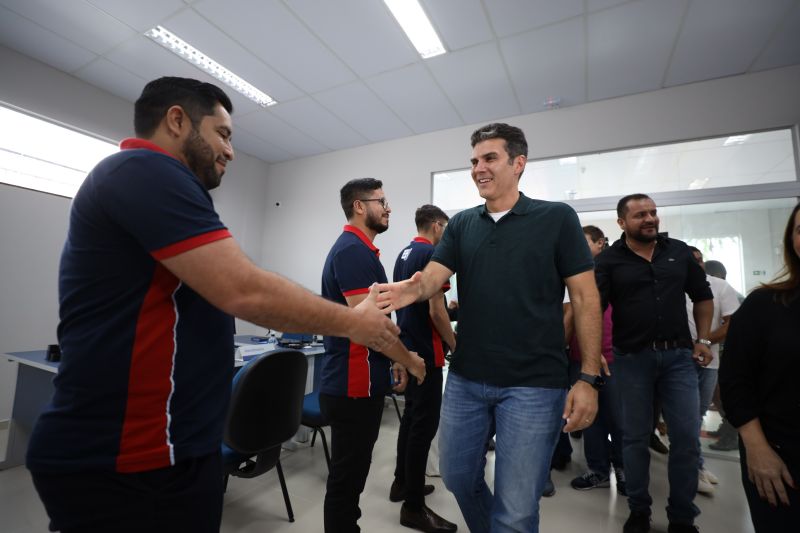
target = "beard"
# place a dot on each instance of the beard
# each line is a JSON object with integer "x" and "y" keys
{"x": 201, "y": 160}
{"x": 375, "y": 224}
{"x": 641, "y": 237}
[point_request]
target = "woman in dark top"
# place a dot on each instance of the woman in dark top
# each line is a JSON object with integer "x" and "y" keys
{"x": 758, "y": 381}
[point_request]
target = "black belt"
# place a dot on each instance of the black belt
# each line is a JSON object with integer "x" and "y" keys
{"x": 660, "y": 346}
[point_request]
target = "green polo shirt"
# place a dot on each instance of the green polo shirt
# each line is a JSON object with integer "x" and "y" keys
{"x": 511, "y": 288}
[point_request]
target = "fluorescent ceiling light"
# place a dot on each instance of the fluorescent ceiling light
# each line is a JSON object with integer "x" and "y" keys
{"x": 418, "y": 28}
{"x": 568, "y": 160}
{"x": 735, "y": 139}
{"x": 178, "y": 46}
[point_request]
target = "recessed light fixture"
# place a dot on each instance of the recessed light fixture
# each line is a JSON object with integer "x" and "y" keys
{"x": 418, "y": 27}
{"x": 735, "y": 139}
{"x": 189, "y": 53}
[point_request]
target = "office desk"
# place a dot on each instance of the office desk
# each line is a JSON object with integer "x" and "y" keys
{"x": 35, "y": 388}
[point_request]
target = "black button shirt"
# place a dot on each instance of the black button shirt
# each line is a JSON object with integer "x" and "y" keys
{"x": 648, "y": 296}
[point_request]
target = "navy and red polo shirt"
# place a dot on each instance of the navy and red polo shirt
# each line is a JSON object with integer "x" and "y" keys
{"x": 417, "y": 330}
{"x": 350, "y": 369}
{"x": 146, "y": 367}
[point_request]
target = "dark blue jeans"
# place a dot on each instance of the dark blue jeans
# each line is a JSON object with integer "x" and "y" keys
{"x": 527, "y": 421}
{"x": 600, "y": 453}
{"x": 671, "y": 375}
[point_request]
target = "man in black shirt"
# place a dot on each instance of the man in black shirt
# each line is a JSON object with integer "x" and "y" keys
{"x": 644, "y": 276}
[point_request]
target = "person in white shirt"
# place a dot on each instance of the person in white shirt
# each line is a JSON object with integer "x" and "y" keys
{"x": 726, "y": 302}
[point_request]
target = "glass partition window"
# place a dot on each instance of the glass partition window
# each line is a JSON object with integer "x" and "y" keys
{"x": 39, "y": 155}
{"x": 743, "y": 236}
{"x": 731, "y": 161}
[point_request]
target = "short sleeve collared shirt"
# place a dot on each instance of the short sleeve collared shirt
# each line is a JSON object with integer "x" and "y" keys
{"x": 511, "y": 287}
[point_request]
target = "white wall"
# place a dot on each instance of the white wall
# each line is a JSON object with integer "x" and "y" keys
{"x": 34, "y": 224}
{"x": 299, "y": 233}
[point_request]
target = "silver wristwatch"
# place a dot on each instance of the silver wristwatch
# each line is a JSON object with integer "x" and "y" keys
{"x": 703, "y": 341}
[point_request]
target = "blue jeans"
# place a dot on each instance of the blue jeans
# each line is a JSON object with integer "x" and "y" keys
{"x": 527, "y": 422}
{"x": 600, "y": 453}
{"x": 672, "y": 376}
{"x": 707, "y": 379}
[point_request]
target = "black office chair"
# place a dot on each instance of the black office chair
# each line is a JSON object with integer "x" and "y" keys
{"x": 265, "y": 410}
{"x": 313, "y": 418}
{"x": 394, "y": 396}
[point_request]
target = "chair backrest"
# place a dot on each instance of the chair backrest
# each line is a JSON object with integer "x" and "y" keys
{"x": 266, "y": 402}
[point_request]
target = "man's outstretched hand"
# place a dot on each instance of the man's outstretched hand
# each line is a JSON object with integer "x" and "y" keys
{"x": 372, "y": 327}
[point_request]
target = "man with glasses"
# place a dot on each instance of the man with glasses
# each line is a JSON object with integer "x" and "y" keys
{"x": 424, "y": 328}
{"x": 354, "y": 378}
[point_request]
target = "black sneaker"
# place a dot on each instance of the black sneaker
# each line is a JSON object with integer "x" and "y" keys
{"x": 637, "y": 523}
{"x": 590, "y": 480}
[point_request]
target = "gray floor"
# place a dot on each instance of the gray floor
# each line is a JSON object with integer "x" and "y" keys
{"x": 256, "y": 505}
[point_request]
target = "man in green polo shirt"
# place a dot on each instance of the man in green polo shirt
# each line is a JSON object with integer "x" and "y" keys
{"x": 508, "y": 376}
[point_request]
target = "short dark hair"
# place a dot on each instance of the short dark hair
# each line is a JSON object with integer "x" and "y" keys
{"x": 353, "y": 190}
{"x": 594, "y": 233}
{"x": 427, "y": 215}
{"x": 622, "y": 205}
{"x": 696, "y": 249}
{"x": 197, "y": 98}
{"x": 716, "y": 268}
{"x": 516, "y": 144}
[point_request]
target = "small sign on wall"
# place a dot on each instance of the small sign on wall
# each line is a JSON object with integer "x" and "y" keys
{"x": 759, "y": 272}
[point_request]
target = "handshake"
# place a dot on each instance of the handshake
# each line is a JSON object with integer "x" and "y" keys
{"x": 373, "y": 328}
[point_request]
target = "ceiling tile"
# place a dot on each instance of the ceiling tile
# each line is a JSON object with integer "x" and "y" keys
{"x": 140, "y": 15}
{"x": 629, "y": 46}
{"x": 468, "y": 28}
{"x": 369, "y": 43}
{"x": 318, "y": 123}
{"x": 413, "y": 94}
{"x": 784, "y": 49}
{"x": 200, "y": 33}
{"x": 723, "y": 37}
{"x": 76, "y": 21}
{"x": 40, "y": 43}
{"x": 112, "y": 78}
{"x": 479, "y": 94}
{"x": 275, "y": 131}
{"x": 515, "y": 16}
{"x": 358, "y": 106}
{"x": 558, "y": 72}
{"x": 269, "y": 31}
{"x": 248, "y": 143}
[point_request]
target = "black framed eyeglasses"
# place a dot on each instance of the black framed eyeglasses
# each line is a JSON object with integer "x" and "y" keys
{"x": 382, "y": 201}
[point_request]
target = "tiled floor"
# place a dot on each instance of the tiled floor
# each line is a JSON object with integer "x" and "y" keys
{"x": 256, "y": 505}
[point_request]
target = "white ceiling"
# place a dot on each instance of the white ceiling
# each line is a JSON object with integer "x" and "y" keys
{"x": 345, "y": 75}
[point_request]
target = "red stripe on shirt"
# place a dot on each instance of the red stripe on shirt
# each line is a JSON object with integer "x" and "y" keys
{"x": 355, "y": 292}
{"x": 189, "y": 244}
{"x": 134, "y": 143}
{"x": 438, "y": 348}
{"x": 361, "y": 235}
{"x": 358, "y": 371}
{"x": 144, "y": 444}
